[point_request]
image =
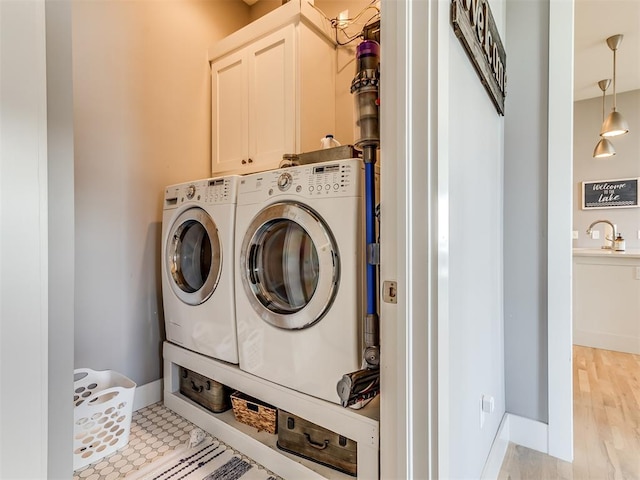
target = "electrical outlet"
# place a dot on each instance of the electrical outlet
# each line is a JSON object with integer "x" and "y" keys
{"x": 575, "y": 235}
{"x": 637, "y": 273}
{"x": 595, "y": 234}
{"x": 638, "y": 234}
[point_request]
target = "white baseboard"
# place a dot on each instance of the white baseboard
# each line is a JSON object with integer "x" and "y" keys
{"x": 498, "y": 451}
{"x": 520, "y": 430}
{"x": 147, "y": 394}
{"x": 529, "y": 433}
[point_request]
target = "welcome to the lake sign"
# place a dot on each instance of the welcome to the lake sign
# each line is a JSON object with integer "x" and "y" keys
{"x": 474, "y": 25}
{"x": 621, "y": 193}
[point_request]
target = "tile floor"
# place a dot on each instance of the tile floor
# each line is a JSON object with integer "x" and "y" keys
{"x": 155, "y": 430}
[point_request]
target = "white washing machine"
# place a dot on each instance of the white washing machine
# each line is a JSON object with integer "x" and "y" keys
{"x": 198, "y": 227}
{"x": 300, "y": 276}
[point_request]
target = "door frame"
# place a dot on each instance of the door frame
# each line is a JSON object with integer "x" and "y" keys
{"x": 415, "y": 440}
{"x": 559, "y": 226}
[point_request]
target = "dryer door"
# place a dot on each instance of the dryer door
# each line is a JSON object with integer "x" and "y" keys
{"x": 193, "y": 256}
{"x": 289, "y": 266}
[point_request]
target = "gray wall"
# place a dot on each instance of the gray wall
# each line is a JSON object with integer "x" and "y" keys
{"x": 61, "y": 236}
{"x": 625, "y": 164}
{"x": 476, "y": 348}
{"x": 141, "y": 121}
{"x": 525, "y": 210}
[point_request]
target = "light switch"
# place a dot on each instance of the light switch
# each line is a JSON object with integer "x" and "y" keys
{"x": 575, "y": 235}
{"x": 595, "y": 234}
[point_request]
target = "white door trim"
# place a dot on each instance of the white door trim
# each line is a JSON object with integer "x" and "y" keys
{"x": 559, "y": 221}
{"x": 409, "y": 239}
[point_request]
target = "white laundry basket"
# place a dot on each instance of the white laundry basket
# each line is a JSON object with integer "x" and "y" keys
{"x": 103, "y": 405}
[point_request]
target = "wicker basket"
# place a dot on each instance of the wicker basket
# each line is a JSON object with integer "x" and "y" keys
{"x": 255, "y": 413}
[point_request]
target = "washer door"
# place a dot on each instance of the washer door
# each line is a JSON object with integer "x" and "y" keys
{"x": 193, "y": 257}
{"x": 289, "y": 266}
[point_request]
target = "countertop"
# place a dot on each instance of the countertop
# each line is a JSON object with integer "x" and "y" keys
{"x": 603, "y": 252}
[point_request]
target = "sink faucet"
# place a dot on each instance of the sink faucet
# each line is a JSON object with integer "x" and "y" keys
{"x": 615, "y": 234}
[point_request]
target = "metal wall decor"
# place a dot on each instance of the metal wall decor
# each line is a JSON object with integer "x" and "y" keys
{"x": 474, "y": 25}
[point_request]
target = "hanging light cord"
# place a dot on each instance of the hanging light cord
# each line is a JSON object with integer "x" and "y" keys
{"x": 614, "y": 79}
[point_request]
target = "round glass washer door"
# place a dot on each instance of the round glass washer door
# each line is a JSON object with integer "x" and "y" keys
{"x": 289, "y": 266}
{"x": 193, "y": 257}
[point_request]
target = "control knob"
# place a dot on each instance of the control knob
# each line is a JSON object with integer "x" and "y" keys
{"x": 284, "y": 181}
{"x": 191, "y": 191}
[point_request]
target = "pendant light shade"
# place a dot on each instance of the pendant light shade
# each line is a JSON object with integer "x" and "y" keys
{"x": 615, "y": 124}
{"x": 604, "y": 148}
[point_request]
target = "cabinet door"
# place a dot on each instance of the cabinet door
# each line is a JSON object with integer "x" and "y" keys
{"x": 229, "y": 115}
{"x": 272, "y": 83}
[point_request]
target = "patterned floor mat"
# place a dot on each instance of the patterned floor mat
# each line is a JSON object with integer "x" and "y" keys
{"x": 210, "y": 460}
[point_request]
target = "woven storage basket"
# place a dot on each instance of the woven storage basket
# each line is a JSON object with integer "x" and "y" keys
{"x": 253, "y": 412}
{"x": 103, "y": 405}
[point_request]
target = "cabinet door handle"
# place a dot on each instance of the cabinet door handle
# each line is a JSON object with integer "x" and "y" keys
{"x": 250, "y": 161}
{"x": 244, "y": 162}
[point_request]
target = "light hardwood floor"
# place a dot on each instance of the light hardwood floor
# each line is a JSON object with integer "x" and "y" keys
{"x": 606, "y": 403}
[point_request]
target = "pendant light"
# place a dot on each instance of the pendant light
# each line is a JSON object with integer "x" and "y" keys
{"x": 615, "y": 124}
{"x": 604, "y": 148}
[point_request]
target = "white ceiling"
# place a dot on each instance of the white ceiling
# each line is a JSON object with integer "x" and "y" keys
{"x": 595, "y": 20}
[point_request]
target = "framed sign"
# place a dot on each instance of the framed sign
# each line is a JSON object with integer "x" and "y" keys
{"x": 621, "y": 193}
{"x": 473, "y": 24}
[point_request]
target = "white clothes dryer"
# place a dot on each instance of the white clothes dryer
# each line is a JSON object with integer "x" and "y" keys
{"x": 198, "y": 227}
{"x": 300, "y": 276}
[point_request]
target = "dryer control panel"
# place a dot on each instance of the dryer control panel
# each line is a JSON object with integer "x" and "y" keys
{"x": 208, "y": 191}
{"x": 341, "y": 178}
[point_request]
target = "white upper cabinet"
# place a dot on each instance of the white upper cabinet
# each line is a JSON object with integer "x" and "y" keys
{"x": 273, "y": 90}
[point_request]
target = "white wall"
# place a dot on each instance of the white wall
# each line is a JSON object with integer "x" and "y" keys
{"x": 142, "y": 121}
{"x": 24, "y": 316}
{"x": 525, "y": 210}
{"x": 625, "y": 164}
{"x": 475, "y": 163}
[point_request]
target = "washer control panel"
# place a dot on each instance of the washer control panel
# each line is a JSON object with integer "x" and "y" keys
{"x": 217, "y": 190}
{"x": 208, "y": 191}
{"x": 284, "y": 181}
